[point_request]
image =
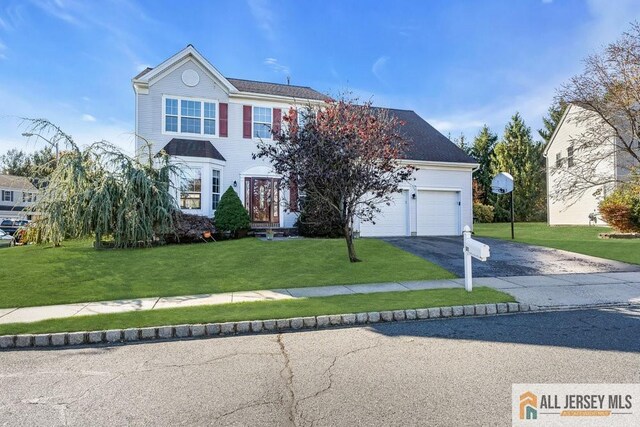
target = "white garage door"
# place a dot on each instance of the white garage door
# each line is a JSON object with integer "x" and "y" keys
{"x": 438, "y": 213}
{"x": 392, "y": 221}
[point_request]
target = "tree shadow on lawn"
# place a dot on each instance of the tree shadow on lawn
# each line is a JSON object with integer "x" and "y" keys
{"x": 611, "y": 329}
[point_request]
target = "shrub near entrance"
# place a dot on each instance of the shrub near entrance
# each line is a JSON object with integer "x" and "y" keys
{"x": 230, "y": 215}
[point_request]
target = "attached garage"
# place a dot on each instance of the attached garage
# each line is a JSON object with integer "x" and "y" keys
{"x": 437, "y": 200}
{"x": 393, "y": 220}
{"x": 438, "y": 213}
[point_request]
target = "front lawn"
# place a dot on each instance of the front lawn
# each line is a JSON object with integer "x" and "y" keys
{"x": 39, "y": 275}
{"x": 339, "y": 304}
{"x": 581, "y": 239}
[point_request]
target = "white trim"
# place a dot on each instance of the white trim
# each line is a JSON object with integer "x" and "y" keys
{"x": 202, "y": 118}
{"x": 252, "y": 96}
{"x": 221, "y": 188}
{"x": 253, "y": 123}
{"x": 167, "y": 65}
{"x": 555, "y": 131}
{"x": 440, "y": 165}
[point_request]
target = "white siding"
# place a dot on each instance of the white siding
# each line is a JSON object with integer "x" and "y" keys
{"x": 573, "y": 212}
{"x": 236, "y": 150}
{"x": 452, "y": 179}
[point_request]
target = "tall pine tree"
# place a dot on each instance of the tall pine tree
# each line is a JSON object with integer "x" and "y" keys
{"x": 482, "y": 151}
{"x": 520, "y": 156}
{"x": 551, "y": 120}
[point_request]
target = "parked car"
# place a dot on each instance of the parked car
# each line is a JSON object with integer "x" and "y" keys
{"x": 6, "y": 239}
{"x": 10, "y": 226}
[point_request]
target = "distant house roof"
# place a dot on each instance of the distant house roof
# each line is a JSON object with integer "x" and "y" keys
{"x": 192, "y": 148}
{"x": 425, "y": 142}
{"x": 302, "y": 92}
{"x": 16, "y": 182}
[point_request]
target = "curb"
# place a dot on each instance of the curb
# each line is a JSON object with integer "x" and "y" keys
{"x": 127, "y": 335}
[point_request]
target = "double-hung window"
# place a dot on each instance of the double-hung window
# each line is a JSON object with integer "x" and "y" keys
{"x": 570, "y": 156}
{"x": 215, "y": 188}
{"x": 191, "y": 189}
{"x": 261, "y": 122}
{"x": 209, "y": 118}
{"x": 558, "y": 160}
{"x": 28, "y": 197}
{"x": 190, "y": 112}
{"x": 7, "y": 196}
{"x": 171, "y": 115}
{"x": 190, "y": 116}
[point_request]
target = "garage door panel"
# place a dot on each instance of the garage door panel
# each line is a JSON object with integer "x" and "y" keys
{"x": 438, "y": 213}
{"x": 391, "y": 221}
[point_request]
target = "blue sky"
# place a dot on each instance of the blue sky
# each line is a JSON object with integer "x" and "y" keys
{"x": 459, "y": 64}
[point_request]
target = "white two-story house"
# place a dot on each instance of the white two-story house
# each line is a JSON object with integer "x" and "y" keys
{"x": 211, "y": 125}
{"x": 17, "y": 195}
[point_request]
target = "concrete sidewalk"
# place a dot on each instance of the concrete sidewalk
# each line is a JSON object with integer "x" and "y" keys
{"x": 544, "y": 291}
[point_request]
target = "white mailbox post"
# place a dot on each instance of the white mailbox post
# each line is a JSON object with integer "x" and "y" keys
{"x": 472, "y": 248}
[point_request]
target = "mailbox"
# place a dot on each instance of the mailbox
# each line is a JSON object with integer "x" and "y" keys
{"x": 476, "y": 249}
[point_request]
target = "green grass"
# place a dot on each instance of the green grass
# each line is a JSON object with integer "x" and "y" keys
{"x": 38, "y": 275}
{"x": 581, "y": 239}
{"x": 339, "y": 304}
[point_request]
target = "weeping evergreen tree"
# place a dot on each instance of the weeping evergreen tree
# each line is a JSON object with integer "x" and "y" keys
{"x": 101, "y": 192}
{"x": 520, "y": 156}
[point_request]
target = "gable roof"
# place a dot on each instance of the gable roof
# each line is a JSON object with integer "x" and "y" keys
{"x": 192, "y": 148}
{"x": 278, "y": 89}
{"x": 545, "y": 151}
{"x": 16, "y": 182}
{"x": 233, "y": 85}
{"x": 425, "y": 143}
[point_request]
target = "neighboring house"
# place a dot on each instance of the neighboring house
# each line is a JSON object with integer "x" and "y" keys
{"x": 563, "y": 160}
{"x": 17, "y": 194}
{"x": 210, "y": 124}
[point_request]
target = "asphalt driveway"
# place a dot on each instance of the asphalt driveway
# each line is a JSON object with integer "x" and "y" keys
{"x": 507, "y": 258}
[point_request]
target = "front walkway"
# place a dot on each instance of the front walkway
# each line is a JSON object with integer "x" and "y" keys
{"x": 559, "y": 290}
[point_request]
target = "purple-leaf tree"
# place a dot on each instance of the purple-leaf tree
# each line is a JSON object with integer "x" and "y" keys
{"x": 344, "y": 156}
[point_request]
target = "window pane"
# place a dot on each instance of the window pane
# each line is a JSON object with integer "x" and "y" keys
{"x": 171, "y": 124}
{"x": 209, "y": 127}
{"x": 215, "y": 198}
{"x": 190, "y": 108}
{"x": 262, "y": 115}
{"x": 171, "y": 106}
{"x": 190, "y": 186}
{"x": 209, "y": 110}
{"x": 215, "y": 188}
{"x": 189, "y": 125}
{"x": 261, "y": 130}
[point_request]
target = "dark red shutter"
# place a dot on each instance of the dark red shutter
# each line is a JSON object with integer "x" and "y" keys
{"x": 246, "y": 121}
{"x": 224, "y": 119}
{"x": 277, "y": 120}
{"x": 293, "y": 194}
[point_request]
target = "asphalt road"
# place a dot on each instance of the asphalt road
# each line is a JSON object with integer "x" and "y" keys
{"x": 507, "y": 258}
{"x": 440, "y": 372}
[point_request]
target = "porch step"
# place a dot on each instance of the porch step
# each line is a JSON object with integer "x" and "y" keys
{"x": 277, "y": 232}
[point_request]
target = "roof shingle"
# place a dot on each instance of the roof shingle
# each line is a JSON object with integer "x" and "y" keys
{"x": 192, "y": 148}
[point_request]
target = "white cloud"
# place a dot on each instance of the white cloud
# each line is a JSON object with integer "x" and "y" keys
{"x": 276, "y": 66}
{"x": 88, "y": 118}
{"x": 378, "y": 66}
{"x": 262, "y": 12}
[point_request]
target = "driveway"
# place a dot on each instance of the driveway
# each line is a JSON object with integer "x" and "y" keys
{"x": 507, "y": 258}
{"x": 413, "y": 373}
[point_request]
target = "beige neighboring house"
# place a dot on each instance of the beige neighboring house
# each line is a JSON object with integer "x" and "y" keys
{"x": 562, "y": 161}
{"x": 17, "y": 194}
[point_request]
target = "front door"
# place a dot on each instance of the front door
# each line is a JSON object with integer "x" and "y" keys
{"x": 262, "y": 200}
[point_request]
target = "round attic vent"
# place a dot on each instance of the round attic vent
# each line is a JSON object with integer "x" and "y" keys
{"x": 190, "y": 77}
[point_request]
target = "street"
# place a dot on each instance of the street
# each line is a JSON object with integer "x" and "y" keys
{"x": 439, "y": 372}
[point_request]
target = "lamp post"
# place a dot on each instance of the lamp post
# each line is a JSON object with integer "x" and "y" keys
{"x": 54, "y": 145}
